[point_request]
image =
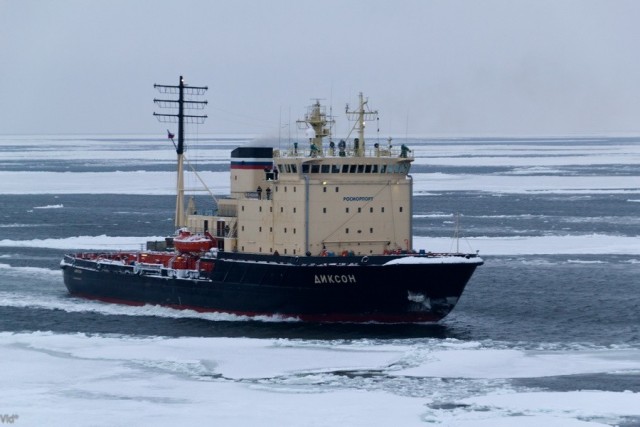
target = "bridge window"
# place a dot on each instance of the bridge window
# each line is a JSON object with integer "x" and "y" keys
{"x": 325, "y": 168}
{"x": 374, "y": 169}
{"x": 294, "y": 168}
{"x": 315, "y": 168}
{"x": 367, "y": 169}
{"x": 360, "y": 168}
{"x": 345, "y": 168}
{"x": 383, "y": 168}
{"x": 305, "y": 168}
{"x": 352, "y": 168}
{"x": 335, "y": 169}
{"x": 287, "y": 168}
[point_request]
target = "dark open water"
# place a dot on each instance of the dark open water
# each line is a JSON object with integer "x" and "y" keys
{"x": 530, "y": 298}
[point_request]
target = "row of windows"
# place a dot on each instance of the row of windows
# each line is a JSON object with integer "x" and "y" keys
{"x": 324, "y": 189}
{"x": 285, "y": 229}
{"x": 346, "y": 230}
{"x": 271, "y": 250}
{"x": 270, "y": 209}
{"x": 285, "y": 188}
{"x": 271, "y": 229}
{"x": 347, "y": 209}
{"x": 324, "y": 210}
{"x": 332, "y": 168}
{"x": 285, "y": 250}
{"x": 294, "y": 189}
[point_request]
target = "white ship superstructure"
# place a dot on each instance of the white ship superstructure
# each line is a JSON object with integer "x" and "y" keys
{"x": 344, "y": 198}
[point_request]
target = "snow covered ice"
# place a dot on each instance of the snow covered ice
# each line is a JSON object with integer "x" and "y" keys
{"x": 77, "y": 379}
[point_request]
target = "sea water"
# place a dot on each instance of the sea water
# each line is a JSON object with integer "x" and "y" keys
{"x": 546, "y": 333}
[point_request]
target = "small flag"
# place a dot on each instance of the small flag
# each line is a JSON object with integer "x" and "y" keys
{"x": 170, "y": 135}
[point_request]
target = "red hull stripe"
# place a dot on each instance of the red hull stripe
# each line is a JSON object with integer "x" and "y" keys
{"x": 329, "y": 317}
{"x": 251, "y": 165}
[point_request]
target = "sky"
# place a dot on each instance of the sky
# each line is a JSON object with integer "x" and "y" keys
{"x": 430, "y": 67}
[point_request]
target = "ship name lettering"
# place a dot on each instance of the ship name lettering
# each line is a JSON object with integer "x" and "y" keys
{"x": 357, "y": 198}
{"x": 335, "y": 278}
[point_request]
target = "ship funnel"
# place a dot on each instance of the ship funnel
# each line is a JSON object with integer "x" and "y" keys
{"x": 248, "y": 168}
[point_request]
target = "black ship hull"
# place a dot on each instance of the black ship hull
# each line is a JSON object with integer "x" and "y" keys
{"x": 342, "y": 289}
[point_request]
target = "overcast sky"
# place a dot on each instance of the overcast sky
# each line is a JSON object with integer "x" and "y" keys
{"x": 430, "y": 67}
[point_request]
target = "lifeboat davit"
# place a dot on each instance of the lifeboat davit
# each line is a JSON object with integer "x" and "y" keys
{"x": 185, "y": 241}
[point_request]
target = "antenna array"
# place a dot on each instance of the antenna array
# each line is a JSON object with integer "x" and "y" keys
{"x": 181, "y": 118}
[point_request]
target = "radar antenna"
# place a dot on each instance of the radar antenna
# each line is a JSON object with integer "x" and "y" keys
{"x": 317, "y": 124}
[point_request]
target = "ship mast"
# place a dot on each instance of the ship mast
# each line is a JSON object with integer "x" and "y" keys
{"x": 360, "y": 115}
{"x": 315, "y": 123}
{"x": 180, "y": 104}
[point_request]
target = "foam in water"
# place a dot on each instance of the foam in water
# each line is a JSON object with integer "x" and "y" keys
{"x": 103, "y": 242}
{"x": 49, "y": 207}
{"x": 79, "y": 305}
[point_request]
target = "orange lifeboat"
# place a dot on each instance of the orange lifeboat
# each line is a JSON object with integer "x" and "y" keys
{"x": 187, "y": 242}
